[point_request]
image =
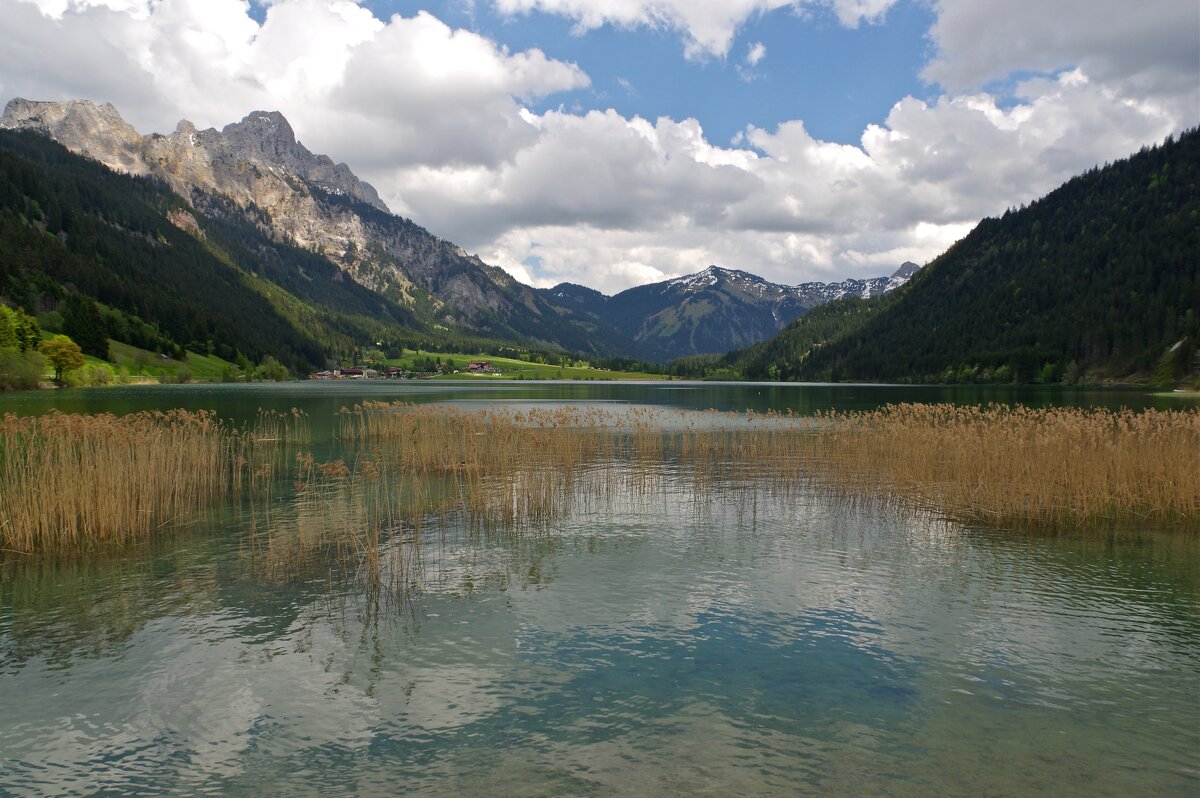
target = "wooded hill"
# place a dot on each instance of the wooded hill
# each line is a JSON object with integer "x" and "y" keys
{"x": 1098, "y": 280}
{"x": 256, "y": 175}
{"x": 169, "y": 277}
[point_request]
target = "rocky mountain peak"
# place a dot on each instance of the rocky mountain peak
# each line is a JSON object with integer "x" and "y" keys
{"x": 188, "y": 158}
{"x": 97, "y": 131}
{"x": 265, "y": 134}
{"x": 268, "y": 137}
{"x": 49, "y": 114}
{"x": 907, "y": 269}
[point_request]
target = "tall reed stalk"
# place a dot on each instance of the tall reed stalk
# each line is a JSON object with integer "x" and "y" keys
{"x": 999, "y": 465}
{"x": 70, "y": 483}
{"x": 1015, "y": 465}
{"x": 75, "y": 482}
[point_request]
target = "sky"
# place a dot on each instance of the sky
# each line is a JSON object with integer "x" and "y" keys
{"x": 618, "y": 142}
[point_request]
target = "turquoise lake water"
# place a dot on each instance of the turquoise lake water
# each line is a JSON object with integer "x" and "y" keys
{"x": 653, "y": 644}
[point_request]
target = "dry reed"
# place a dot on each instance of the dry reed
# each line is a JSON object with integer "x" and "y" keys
{"x": 1020, "y": 466}
{"x": 996, "y": 465}
{"x": 74, "y": 482}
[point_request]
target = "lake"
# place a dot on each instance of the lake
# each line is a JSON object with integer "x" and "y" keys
{"x": 656, "y": 643}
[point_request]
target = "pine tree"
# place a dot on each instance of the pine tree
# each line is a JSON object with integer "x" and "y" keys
{"x": 83, "y": 324}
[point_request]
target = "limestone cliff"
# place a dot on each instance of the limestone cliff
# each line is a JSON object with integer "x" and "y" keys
{"x": 256, "y": 163}
{"x": 305, "y": 199}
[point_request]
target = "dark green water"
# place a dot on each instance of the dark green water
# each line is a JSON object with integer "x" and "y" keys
{"x": 648, "y": 645}
{"x": 322, "y": 399}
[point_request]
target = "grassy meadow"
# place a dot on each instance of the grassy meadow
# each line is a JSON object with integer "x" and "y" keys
{"x": 79, "y": 482}
{"x": 132, "y": 365}
{"x": 199, "y": 367}
{"x": 512, "y": 368}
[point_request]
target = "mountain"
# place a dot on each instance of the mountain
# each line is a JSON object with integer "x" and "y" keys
{"x": 74, "y": 232}
{"x": 272, "y": 195}
{"x": 256, "y": 172}
{"x": 1098, "y": 280}
{"x": 713, "y": 311}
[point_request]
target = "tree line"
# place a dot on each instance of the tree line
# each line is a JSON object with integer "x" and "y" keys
{"x": 1098, "y": 280}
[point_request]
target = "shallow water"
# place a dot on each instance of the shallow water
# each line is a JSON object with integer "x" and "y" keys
{"x": 649, "y": 644}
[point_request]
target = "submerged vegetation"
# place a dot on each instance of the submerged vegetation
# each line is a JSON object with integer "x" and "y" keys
{"x": 70, "y": 482}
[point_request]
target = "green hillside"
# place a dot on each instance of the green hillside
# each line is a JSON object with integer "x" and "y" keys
{"x": 103, "y": 255}
{"x": 71, "y": 228}
{"x": 532, "y": 367}
{"x": 1098, "y": 280}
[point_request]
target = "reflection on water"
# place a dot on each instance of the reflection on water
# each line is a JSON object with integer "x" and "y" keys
{"x": 322, "y": 399}
{"x": 666, "y": 649}
{"x": 647, "y": 643}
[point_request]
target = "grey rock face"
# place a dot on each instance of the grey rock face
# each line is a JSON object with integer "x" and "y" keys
{"x": 97, "y": 131}
{"x": 256, "y": 162}
{"x": 307, "y": 200}
{"x": 262, "y": 138}
{"x": 266, "y": 136}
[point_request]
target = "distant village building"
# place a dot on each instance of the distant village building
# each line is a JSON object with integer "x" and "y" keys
{"x": 480, "y": 366}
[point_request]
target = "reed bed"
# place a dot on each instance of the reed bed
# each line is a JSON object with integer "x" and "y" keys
{"x": 70, "y": 483}
{"x": 502, "y": 469}
{"x": 75, "y": 482}
{"x": 1016, "y": 466}
{"x": 997, "y": 465}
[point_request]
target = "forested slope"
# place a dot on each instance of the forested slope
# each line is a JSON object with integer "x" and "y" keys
{"x": 1099, "y": 279}
{"x": 70, "y": 227}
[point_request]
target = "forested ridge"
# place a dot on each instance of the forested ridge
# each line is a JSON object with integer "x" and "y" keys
{"x": 1098, "y": 280}
{"x": 74, "y": 233}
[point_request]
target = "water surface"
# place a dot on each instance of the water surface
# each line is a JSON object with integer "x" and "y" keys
{"x": 651, "y": 644}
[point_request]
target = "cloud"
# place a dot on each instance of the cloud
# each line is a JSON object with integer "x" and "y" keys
{"x": 1152, "y": 47}
{"x": 439, "y": 120}
{"x": 791, "y": 207}
{"x": 361, "y": 89}
{"x": 851, "y": 13}
{"x": 781, "y": 203}
{"x": 708, "y": 26}
{"x": 420, "y": 92}
{"x": 56, "y": 8}
{"x": 754, "y": 53}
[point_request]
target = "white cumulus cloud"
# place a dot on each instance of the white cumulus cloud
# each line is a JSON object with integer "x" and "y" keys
{"x": 1154, "y": 46}
{"x": 440, "y": 120}
{"x": 708, "y": 26}
{"x": 363, "y": 90}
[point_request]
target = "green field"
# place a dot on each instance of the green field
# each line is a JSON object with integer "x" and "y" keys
{"x": 507, "y": 368}
{"x": 140, "y": 361}
{"x": 131, "y": 365}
